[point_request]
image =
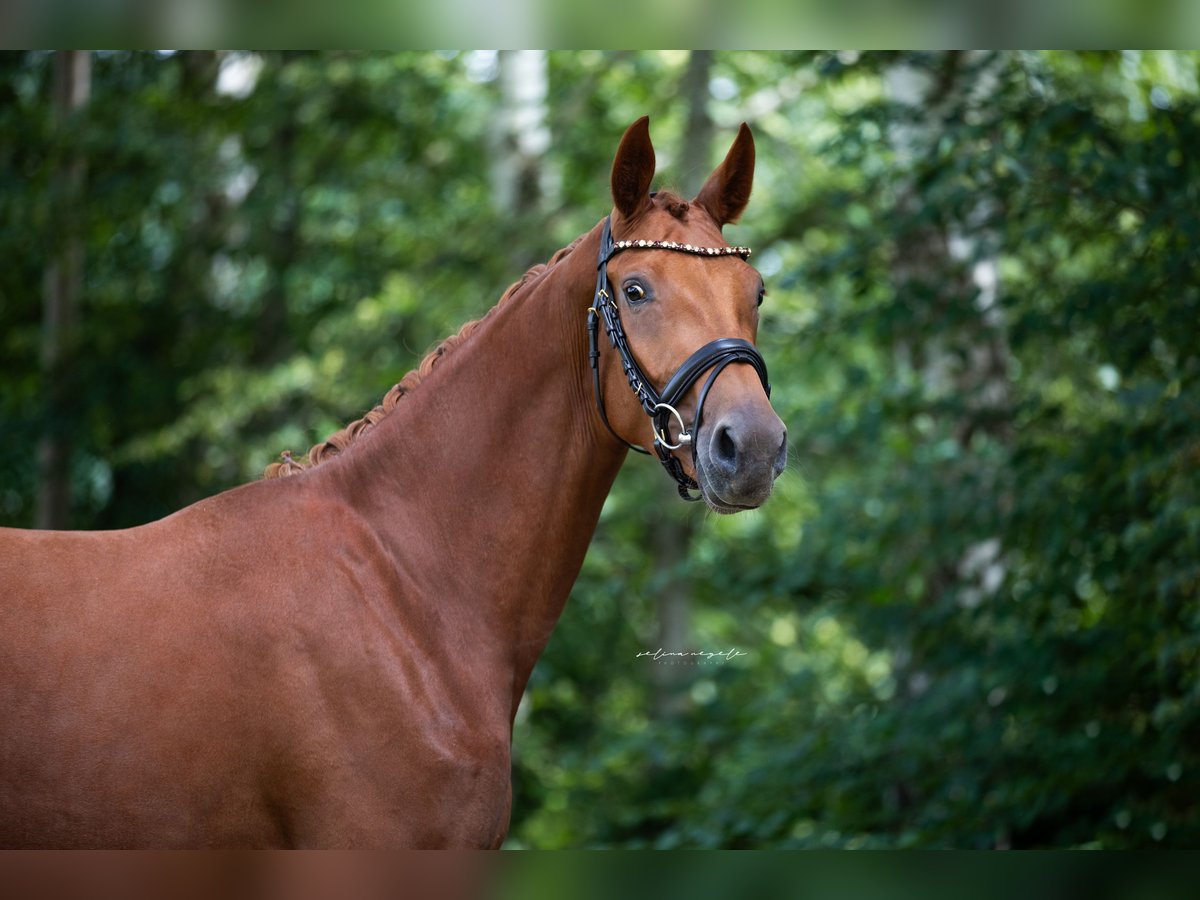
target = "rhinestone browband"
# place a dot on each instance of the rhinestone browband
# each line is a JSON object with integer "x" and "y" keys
{"x": 743, "y": 252}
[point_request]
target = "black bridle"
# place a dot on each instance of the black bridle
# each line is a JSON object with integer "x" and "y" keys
{"x": 661, "y": 407}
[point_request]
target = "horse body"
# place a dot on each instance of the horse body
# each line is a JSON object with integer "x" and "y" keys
{"x": 353, "y": 641}
{"x": 333, "y": 659}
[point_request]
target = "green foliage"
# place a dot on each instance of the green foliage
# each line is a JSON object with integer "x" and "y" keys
{"x": 969, "y": 615}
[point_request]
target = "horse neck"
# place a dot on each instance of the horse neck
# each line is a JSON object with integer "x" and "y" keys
{"x": 495, "y": 468}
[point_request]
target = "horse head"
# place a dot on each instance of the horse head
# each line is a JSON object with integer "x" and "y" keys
{"x": 681, "y": 307}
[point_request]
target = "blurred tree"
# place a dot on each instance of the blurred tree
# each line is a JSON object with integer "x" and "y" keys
{"x": 520, "y": 138}
{"x": 928, "y": 528}
{"x": 63, "y": 285}
{"x": 670, "y": 531}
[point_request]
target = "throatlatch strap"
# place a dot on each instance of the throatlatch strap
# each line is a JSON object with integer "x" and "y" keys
{"x": 594, "y": 356}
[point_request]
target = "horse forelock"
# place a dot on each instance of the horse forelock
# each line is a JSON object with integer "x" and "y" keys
{"x": 672, "y": 203}
{"x": 341, "y": 439}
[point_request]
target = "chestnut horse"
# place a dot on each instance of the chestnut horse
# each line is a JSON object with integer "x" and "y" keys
{"x": 334, "y": 659}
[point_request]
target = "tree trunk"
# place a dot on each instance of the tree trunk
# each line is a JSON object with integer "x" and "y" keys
{"x": 975, "y": 366}
{"x": 282, "y": 247}
{"x": 520, "y": 135}
{"x": 63, "y": 286}
{"x": 672, "y": 532}
{"x": 698, "y": 133}
{"x": 969, "y": 360}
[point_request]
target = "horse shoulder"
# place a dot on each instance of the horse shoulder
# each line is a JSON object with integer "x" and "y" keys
{"x": 370, "y": 719}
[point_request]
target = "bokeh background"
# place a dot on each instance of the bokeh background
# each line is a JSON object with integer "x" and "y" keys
{"x": 967, "y": 618}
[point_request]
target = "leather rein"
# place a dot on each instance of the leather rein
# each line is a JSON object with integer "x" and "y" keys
{"x": 661, "y": 407}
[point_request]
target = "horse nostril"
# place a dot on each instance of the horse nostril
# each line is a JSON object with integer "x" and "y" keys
{"x": 781, "y": 456}
{"x": 725, "y": 449}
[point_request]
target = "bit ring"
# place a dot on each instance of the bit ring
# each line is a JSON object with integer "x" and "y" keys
{"x": 660, "y": 437}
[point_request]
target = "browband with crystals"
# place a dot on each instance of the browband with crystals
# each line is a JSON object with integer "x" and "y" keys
{"x": 743, "y": 252}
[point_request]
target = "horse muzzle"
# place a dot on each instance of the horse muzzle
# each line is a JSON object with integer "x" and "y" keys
{"x": 738, "y": 457}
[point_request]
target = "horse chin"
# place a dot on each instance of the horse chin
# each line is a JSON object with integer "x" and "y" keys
{"x": 722, "y": 508}
{"x": 721, "y": 503}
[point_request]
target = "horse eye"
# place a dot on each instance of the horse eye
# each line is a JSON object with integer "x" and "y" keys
{"x": 762, "y": 292}
{"x": 634, "y": 292}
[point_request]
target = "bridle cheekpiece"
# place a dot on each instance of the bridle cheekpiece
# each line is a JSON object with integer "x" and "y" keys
{"x": 661, "y": 407}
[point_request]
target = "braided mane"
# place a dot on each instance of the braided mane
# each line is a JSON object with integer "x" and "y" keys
{"x": 340, "y": 440}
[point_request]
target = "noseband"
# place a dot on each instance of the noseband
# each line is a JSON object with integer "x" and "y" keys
{"x": 661, "y": 407}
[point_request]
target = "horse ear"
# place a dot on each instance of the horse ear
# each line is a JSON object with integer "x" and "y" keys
{"x": 633, "y": 169}
{"x": 727, "y": 190}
